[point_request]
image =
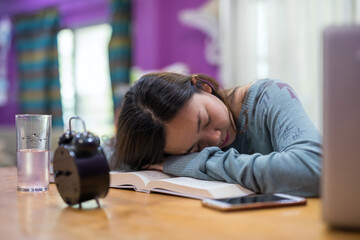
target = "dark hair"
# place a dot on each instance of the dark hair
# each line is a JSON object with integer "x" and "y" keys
{"x": 150, "y": 102}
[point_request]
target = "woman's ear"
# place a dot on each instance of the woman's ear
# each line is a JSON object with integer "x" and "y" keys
{"x": 204, "y": 86}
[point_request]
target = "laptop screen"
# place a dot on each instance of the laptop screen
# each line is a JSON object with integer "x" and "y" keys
{"x": 341, "y": 170}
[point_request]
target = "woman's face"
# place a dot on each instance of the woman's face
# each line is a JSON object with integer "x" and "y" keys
{"x": 204, "y": 121}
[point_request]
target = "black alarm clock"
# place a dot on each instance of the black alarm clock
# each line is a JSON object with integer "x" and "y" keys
{"x": 81, "y": 171}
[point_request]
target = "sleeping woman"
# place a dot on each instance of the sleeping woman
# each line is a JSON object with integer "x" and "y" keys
{"x": 257, "y": 135}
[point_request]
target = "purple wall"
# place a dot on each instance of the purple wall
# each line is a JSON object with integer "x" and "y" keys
{"x": 72, "y": 11}
{"x": 8, "y": 111}
{"x": 159, "y": 38}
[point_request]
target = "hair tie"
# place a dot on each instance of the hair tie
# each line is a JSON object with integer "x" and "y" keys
{"x": 196, "y": 77}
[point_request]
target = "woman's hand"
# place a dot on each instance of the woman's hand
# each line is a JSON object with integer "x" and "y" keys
{"x": 158, "y": 166}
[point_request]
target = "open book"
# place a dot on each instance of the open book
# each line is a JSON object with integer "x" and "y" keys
{"x": 157, "y": 181}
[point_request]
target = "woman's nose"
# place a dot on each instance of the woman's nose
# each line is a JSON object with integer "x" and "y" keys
{"x": 212, "y": 138}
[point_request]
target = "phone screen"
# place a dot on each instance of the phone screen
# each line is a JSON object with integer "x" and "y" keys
{"x": 253, "y": 199}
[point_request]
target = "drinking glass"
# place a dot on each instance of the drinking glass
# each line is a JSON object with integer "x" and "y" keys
{"x": 33, "y": 141}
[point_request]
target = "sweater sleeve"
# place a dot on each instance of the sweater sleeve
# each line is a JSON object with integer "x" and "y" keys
{"x": 276, "y": 117}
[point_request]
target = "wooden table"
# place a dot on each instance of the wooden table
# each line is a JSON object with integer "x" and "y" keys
{"x": 127, "y": 214}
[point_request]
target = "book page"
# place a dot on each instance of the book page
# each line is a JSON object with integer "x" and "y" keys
{"x": 137, "y": 180}
{"x": 199, "y": 188}
{"x": 157, "y": 181}
{"x": 150, "y": 175}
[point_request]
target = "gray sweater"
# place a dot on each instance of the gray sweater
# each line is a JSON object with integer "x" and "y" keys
{"x": 279, "y": 149}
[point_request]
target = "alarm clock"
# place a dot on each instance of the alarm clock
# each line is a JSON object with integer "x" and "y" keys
{"x": 81, "y": 171}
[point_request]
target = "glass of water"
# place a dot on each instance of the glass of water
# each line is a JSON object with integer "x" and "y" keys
{"x": 33, "y": 141}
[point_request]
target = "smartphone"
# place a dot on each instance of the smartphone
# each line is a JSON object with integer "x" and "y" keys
{"x": 254, "y": 201}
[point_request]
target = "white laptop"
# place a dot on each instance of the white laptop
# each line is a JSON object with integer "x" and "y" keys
{"x": 341, "y": 169}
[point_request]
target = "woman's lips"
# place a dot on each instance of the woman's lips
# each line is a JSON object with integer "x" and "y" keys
{"x": 226, "y": 140}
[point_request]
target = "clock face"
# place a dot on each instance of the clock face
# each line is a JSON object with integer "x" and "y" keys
{"x": 66, "y": 175}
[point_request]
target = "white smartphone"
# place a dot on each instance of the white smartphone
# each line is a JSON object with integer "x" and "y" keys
{"x": 254, "y": 201}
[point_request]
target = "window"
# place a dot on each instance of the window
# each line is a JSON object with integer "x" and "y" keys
{"x": 85, "y": 78}
{"x": 280, "y": 40}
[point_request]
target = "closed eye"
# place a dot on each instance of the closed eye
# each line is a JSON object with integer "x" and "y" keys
{"x": 198, "y": 148}
{"x": 208, "y": 122}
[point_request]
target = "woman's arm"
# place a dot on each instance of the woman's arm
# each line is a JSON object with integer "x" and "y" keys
{"x": 294, "y": 171}
{"x": 294, "y": 166}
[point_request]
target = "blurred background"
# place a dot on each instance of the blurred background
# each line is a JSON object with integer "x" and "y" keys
{"x": 78, "y": 57}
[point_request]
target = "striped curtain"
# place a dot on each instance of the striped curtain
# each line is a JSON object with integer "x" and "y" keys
{"x": 38, "y": 68}
{"x": 120, "y": 49}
